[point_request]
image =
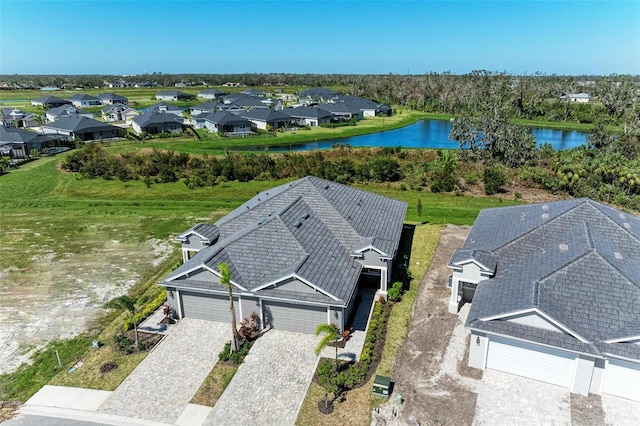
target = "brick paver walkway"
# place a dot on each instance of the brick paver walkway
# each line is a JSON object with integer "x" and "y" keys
{"x": 271, "y": 384}
{"x": 160, "y": 388}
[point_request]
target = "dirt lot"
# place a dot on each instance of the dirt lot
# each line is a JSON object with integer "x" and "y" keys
{"x": 429, "y": 396}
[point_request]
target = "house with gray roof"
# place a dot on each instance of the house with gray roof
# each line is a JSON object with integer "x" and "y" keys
{"x": 118, "y": 112}
{"x": 223, "y": 121}
{"x": 174, "y": 95}
{"x": 49, "y": 101}
{"x": 83, "y": 100}
{"x": 112, "y": 99}
{"x": 321, "y": 94}
{"x": 165, "y": 107}
{"x": 157, "y": 122}
{"x": 296, "y": 254}
{"x": 13, "y": 117}
{"x": 264, "y": 119}
{"x": 554, "y": 291}
{"x": 310, "y": 116}
{"x": 206, "y": 107}
{"x": 17, "y": 143}
{"x": 83, "y": 128}
{"x": 68, "y": 110}
{"x": 211, "y": 94}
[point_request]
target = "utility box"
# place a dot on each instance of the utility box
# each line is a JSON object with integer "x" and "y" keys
{"x": 381, "y": 386}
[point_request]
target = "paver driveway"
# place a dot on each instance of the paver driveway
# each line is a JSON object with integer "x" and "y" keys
{"x": 271, "y": 384}
{"x": 162, "y": 385}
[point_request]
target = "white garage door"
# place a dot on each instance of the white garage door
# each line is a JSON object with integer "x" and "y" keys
{"x": 207, "y": 307}
{"x": 532, "y": 361}
{"x": 622, "y": 379}
{"x": 292, "y": 317}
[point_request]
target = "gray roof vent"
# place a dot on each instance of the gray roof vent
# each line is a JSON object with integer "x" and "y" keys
{"x": 297, "y": 224}
{"x": 326, "y": 186}
{"x": 262, "y": 221}
{"x": 305, "y": 215}
{"x": 545, "y": 208}
{"x": 523, "y": 216}
{"x": 545, "y": 216}
{"x": 563, "y": 247}
{"x": 621, "y": 216}
{"x": 618, "y": 255}
{"x": 627, "y": 225}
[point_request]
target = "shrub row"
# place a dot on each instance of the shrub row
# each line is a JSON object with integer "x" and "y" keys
{"x": 236, "y": 357}
{"x": 149, "y": 309}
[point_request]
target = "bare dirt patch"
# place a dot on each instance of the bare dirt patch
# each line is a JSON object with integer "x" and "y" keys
{"x": 430, "y": 398}
{"x": 586, "y": 410}
{"x": 463, "y": 364}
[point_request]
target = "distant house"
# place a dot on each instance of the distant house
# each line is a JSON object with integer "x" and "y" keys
{"x": 310, "y": 116}
{"x": 341, "y": 111}
{"x": 211, "y": 94}
{"x": 174, "y": 95}
{"x": 264, "y": 119}
{"x": 163, "y": 107}
{"x": 206, "y": 107}
{"x": 112, "y": 98}
{"x": 17, "y": 143}
{"x": 554, "y": 291}
{"x": 83, "y": 128}
{"x": 49, "y": 101}
{"x": 321, "y": 94}
{"x": 118, "y": 112}
{"x": 581, "y": 98}
{"x": 250, "y": 102}
{"x": 157, "y": 122}
{"x": 253, "y": 92}
{"x": 54, "y": 114}
{"x": 83, "y": 100}
{"x": 364, "y": 107}
{"x": 13, "y": 117}
{"x": 225, "y": 122}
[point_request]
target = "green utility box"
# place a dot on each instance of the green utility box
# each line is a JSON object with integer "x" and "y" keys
{"x": 381, "y": 386}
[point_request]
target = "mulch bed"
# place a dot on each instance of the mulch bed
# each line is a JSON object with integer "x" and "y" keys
{"x": 147, "y": 340}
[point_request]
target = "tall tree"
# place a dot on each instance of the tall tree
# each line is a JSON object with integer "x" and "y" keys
{"x": 225, "y": 280}
{"x": 126, "y": 303}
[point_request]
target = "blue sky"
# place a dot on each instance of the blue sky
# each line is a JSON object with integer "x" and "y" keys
{"x": 360, "y": 37}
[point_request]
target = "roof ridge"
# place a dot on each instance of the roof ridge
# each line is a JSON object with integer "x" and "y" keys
{"x": 620, "y": 271}
{"x": 595, "y": 204}
{"x": 565, "y": 265}
{"x": 536, "y": 228}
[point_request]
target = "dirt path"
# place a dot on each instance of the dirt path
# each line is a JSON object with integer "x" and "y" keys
{"x": 428, "y": 399}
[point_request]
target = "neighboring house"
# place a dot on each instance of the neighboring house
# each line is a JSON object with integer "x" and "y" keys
{"x": 112, "y": 99}
{"x": 296, "y": 254}
{"x": 118, "y": 112}
{"x": 18, "y": 143}
{"x": 157, "y": 122}
{"x": 581, "y": 98}
{"x": 206, "y": 107}
{"x": 174, "y": 95}
{"x": 83, "y": 128}
{"x": 364, "y": 107}
{"x": 232, "y": 98}
{"x": 54, "y": 114}
{"x": 265, "y": 118}
{"x": 49, "y": 101}
{"x": 164, "y": 107}
{"x": 554, "y": 291}
{"x": 83, "y": 100}
{"x": 223, "y": 121}
{"x": 13, "y": 117}
{"x": 321, "y": 94}
{"x": 253, "y": 92}
{"x": 211, "y": 94}
{"x": 341, "y": 111}
{"x": 249, "y": 102}
{"x": 310, "y": 116}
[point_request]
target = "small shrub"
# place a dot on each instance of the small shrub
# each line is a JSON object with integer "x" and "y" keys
{"x": 494, "y": 181}
{"x": 108, "y": 367}
{"x": 236, "y": 357}
{"x": 395, "y": 292}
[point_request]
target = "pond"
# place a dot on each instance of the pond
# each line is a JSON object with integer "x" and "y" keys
{"x": 435, "y": 134}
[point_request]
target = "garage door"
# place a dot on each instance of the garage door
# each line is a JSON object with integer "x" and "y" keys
{"x": 532, "y": 361}
{"x": 622, "y": 379}
{"x": 206, "y": 306}
{"x": 287, "y": 316}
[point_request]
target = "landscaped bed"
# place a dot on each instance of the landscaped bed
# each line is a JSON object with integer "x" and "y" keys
{"x": 355, "y": 406}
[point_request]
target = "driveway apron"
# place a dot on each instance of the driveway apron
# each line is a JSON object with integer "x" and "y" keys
{"x": 271, "y": 383}
{"x": 160, "y": 388}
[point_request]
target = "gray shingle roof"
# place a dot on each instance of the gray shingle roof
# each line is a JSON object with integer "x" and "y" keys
{"x": 82, "y": 97}
{"x": 79, "y": 124}
{"x": 576, "y": 261}
{"x": 308, "y": 112}
{"x": 150, "y": 118}
{"x": 308, "y": 228}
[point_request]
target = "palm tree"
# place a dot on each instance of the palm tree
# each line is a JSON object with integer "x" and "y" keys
{"x": 331, "y": 334}
{"x": 225, "y": 280}
{"x": 125, "y": 302}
